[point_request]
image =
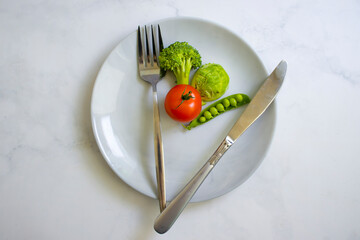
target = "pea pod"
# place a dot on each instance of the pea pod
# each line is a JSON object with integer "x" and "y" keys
{"x": 219, "y": 107}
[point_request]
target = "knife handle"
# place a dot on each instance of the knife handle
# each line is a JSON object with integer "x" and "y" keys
{"x": 167, "y": 218}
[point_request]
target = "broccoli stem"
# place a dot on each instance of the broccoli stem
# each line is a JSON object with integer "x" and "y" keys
{"x": 182, "y": 73}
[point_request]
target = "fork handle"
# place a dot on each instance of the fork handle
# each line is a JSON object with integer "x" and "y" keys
{"x": 159, "y": 152}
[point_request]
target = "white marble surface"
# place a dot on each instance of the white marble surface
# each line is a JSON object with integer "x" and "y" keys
{"x": 54, "y": 183}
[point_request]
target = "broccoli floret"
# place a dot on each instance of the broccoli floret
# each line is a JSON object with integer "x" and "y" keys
{"x": 180, "y": 58}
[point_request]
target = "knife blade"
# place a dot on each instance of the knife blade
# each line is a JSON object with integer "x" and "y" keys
{"x": 260, "y": 102}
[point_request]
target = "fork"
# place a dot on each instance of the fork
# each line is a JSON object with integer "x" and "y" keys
{"x": 149, "y": 70}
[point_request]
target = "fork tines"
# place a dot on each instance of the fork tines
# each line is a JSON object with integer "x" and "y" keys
{"x": 149, "y": 56}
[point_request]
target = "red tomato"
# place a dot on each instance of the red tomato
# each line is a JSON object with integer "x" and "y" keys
{"x": 183, "y": 103}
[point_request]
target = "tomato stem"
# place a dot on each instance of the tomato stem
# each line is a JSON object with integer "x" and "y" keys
{"x": 185, "y": 97}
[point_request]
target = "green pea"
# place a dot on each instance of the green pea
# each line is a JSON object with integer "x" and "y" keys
{"x": 233, "y": 102}
{"x": 220, "y": 107}
{"x": 208, "y": 115}
{"x": 239, "y": 97}
{"x": 214, "y": 111}
{"x": 226, "y": 102}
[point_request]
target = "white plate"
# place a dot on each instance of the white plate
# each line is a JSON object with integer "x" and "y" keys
{"x": 121, "y": 112}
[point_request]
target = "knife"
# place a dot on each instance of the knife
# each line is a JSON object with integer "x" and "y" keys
{"x": 260, "y": 102}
